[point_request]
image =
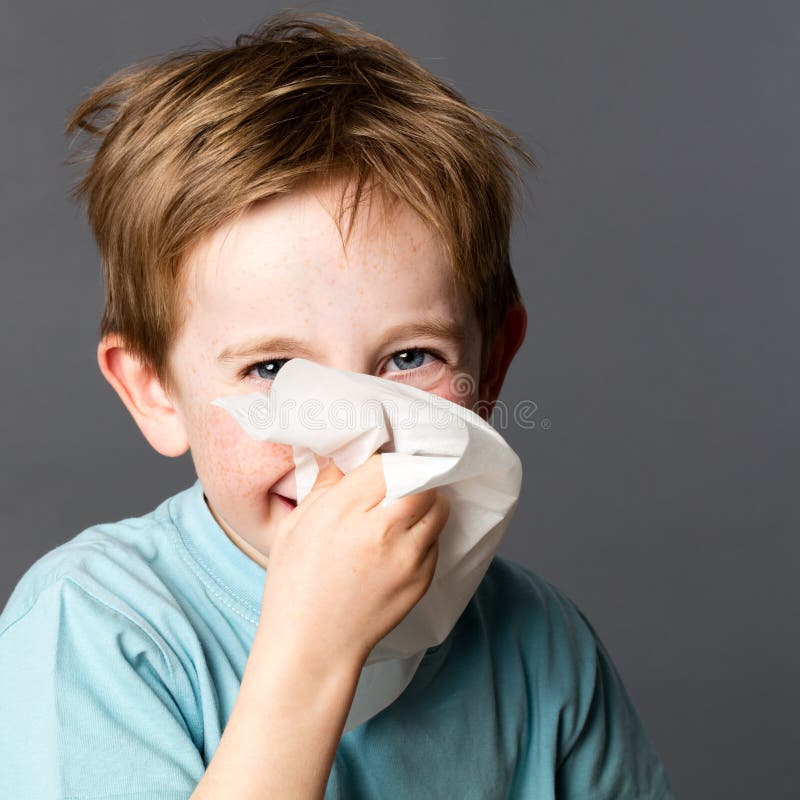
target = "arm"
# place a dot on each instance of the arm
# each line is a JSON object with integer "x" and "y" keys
{"x": 281, "y": 737}
{"x": 327, "y": 600}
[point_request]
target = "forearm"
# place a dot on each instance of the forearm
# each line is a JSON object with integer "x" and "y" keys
{"x": 282, "y": 735}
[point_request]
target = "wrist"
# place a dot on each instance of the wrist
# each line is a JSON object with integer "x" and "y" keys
{"x": 321, "y": 665}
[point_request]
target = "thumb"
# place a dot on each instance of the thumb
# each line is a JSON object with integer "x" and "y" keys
{"x": 328, "y": 473}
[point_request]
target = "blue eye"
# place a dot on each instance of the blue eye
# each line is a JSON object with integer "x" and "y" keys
{"x": 406, "y": 360}
{"x": 265, "y": 370}
{"x": 414, "y": 358}
{"x": 268, "y": 370}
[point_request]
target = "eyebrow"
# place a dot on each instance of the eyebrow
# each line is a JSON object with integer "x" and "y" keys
{"x": 437, "y": 328}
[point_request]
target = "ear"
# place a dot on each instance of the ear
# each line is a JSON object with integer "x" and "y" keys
{"x": 158, "y": 418}
{"x": 506, "y": 343}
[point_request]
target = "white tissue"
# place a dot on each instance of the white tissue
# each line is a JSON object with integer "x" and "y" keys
{"x": 426, "y": 441}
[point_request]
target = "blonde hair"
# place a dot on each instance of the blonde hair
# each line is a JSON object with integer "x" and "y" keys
{"x": 193, "y": 139}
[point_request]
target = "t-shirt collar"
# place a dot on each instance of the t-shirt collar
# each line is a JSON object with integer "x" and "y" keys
{"x": 209, "y": 546}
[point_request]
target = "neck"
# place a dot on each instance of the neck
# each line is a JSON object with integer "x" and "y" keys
{"x": 245, "y": 546}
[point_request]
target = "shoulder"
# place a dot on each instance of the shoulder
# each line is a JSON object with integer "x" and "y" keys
{"x": 533, "y": 623}
{"x": 584, "y": 714}
{"x": 524, "y": 604}
{"x": 98, "y": 603}
{"x": 92, "y": 664}
{"x": 506, "y": 577}
{"x": 107, "y": 570}
{"x": 533, "y": 627}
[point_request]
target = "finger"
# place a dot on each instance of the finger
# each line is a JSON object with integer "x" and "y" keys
{"x": 427, "y": 529}
{"x": 365, "y": 486}
{"x": 321, "y": 460}
{"x": 407, "y": 511}
{"x": 328, "y": 473}
{"x": 427, "y": 567}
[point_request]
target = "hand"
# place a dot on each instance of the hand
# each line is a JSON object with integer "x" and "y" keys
{"x": 343, "y": 570}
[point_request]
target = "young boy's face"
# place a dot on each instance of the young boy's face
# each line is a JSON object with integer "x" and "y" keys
{"x": 281, "y": 272}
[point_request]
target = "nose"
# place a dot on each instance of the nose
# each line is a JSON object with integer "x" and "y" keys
{"x": 351, "y": 364}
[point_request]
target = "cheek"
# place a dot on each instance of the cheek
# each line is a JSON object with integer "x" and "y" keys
{"x": 458, "y": 387}
{"x": 230, "y": 459}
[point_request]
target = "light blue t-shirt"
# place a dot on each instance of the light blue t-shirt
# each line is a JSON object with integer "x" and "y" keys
{"x": 122, "y": 650}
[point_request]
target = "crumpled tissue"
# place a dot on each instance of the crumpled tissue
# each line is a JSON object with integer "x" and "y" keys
{"x": 425, "y": 441}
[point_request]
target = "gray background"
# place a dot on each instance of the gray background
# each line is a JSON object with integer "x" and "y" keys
{"x": 658, "y": 262}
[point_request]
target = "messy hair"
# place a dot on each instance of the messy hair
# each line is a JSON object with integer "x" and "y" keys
{"x": 191, "y": 140}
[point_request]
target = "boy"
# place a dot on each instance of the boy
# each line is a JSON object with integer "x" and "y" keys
{"x": 211, "y": 647}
